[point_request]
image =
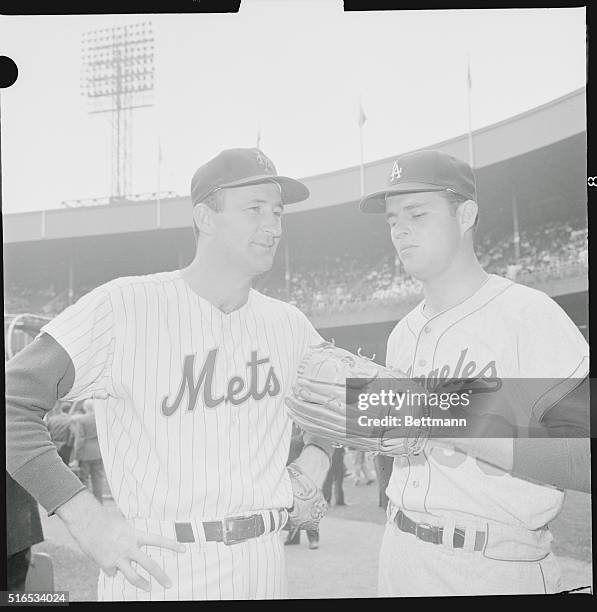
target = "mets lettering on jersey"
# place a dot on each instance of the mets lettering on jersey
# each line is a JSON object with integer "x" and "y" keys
{"x": 234, "y": 387}
{"x": 193, "y": 423}
{"x": 503, "y": 331}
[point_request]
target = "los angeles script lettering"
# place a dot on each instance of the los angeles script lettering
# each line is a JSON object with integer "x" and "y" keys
{"x": 470, "y": 372}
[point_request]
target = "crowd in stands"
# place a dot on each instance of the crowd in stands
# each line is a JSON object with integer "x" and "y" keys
{"x": 20, "y": 298}
{"x": 332, "y": 284}
{"x": 343, "y": 283}
{"x": 336, "y": 283}
{"x": 549, "y": 247}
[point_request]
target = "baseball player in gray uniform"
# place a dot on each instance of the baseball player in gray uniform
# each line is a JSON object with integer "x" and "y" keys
{"x": 188, "y": 370}
{"x": 470, "y": 515}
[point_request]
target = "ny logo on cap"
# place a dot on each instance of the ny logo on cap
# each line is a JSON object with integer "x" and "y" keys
{"x": 396, "y": 172}
{"x": 262, "y": 160}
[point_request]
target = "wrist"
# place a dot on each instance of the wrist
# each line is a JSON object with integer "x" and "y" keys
{"x": 314, "y": 462}
{"x": 79, "y": 510}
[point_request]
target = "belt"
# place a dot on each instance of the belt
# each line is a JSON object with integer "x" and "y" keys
{"x": 231, "y": 530}
{"x": 434, "y": 534}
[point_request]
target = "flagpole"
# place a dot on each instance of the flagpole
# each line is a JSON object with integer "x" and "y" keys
{"x": 258, "y": 145}
{"x": 362, "y": 120}
{"x": 362, "y": 164}
{"x": 469, "y": 83}
{"x": 159, "y": 186}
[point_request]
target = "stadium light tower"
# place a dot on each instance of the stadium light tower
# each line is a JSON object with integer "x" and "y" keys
{"x": 117, "y": 77}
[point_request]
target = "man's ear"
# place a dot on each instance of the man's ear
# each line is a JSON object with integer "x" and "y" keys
{"x": 203, "y": 218}
{"x": 467, "y": 213}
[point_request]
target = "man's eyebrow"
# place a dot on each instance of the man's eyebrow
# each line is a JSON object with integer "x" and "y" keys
{"x": 408, "y": 207}
{"x": 262, "y": 201}
{"x": 415, "y": 205}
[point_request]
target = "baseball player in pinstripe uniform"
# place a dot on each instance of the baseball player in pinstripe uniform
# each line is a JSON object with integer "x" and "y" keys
{"x": 469, "y": 516}
{"x": 189, "y": 370}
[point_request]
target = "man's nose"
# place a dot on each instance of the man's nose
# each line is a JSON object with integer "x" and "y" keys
{"x": 272, "y": 224}
{"x": 400, "y": 230}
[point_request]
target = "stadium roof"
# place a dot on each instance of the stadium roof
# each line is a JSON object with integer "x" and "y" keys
{"x": 551, "y": 137}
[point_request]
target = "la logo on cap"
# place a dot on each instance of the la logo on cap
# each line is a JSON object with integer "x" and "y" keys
{"x": 396, "y": 172}
{"x": 262, "y": 160}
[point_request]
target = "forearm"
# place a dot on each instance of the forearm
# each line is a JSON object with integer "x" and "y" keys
{"x": 495, "y": 451}
{"x": 314, "y": 462}
{"x": 48, "y": 480}
{"x": 561, "y": 462}
{"x": 480, "y": 431}
{"x": 80, "y": 511}
{"x": 324, "y": 444}
{"x": 557, "y": 454}
{"x": 564, "y": 463}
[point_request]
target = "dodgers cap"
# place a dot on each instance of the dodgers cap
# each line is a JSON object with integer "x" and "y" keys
{"x": 426, "y": 170}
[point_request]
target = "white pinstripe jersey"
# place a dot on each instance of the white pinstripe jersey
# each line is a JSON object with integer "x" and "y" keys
{"x": 193, "y": 421}
{"x": 505, "y": 330}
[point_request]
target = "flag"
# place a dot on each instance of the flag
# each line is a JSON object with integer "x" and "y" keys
{"x": 362, "y": 116}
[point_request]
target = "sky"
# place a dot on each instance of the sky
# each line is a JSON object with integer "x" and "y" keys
{"x": 293, "y": 70}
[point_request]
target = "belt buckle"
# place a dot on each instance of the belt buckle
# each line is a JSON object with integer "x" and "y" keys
{"x": 228, "y": 529}
{"x": 424, "y": 531}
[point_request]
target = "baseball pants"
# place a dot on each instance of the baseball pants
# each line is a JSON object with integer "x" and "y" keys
{"x": 252, "y": 569}
{"x": 409, "y": 567}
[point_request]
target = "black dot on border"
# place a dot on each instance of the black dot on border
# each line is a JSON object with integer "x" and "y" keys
{"x": 8, "y": 71}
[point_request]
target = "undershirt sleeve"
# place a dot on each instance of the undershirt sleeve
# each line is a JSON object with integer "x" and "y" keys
{"x": 36, "y": 378}
{"x": 565, "y": 464}
{"x": 561, "y": 456}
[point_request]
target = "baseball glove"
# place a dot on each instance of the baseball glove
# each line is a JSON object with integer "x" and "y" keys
{"x": 309, "y": 505}
{"x": 326, "y": 401}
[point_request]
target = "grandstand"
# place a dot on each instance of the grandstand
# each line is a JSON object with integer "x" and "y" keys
{"x": 19, "y": 331}
{"x": 334, "y": 263}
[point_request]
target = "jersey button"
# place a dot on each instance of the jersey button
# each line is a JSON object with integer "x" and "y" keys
{"x": 415, "y": 484}
{"x": 422, "y": 362}
{"x": 427, "y": 329}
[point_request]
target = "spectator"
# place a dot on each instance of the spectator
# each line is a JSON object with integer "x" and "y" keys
{"x": 361, "y": 469}
{"x": 59, "y": 424}
{"x": 335, "y": 478}
{"x": 383, "y": 469}
{"x": 87, "y": 451}
{"x": 351, "y": 281}
{"x": 23, "y": 530}
{"x": 512, "y": 271}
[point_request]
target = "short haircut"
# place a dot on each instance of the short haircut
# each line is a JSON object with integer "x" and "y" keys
{"x": 215, "y": 201}
{"x": 454, "y": 200}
